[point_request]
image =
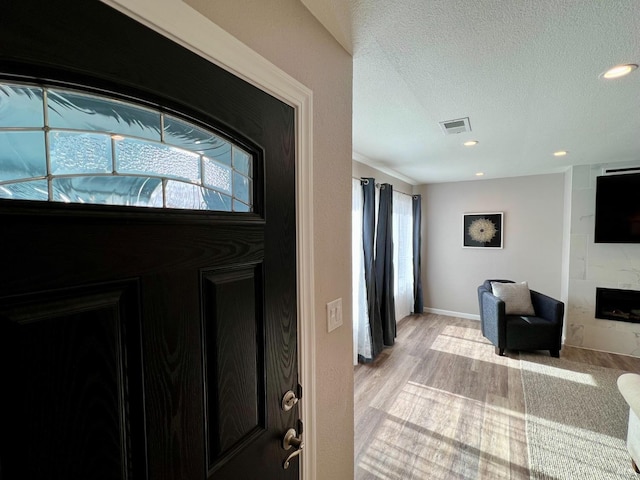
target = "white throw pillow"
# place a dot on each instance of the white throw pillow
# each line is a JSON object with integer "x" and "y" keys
{"x": 516, "y": 297}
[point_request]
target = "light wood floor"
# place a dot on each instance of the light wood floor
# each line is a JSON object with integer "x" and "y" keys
{"x": 441, "y": 405}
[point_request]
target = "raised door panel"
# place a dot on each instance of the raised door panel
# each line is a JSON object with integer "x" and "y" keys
{"x": 235, "y": 367}
{"x": 72, "y": 371}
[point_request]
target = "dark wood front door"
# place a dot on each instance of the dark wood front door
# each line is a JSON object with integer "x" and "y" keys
{"x": 146, "y": 343}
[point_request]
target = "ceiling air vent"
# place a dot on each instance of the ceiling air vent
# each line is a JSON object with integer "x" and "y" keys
{"x": 456, "y": 126}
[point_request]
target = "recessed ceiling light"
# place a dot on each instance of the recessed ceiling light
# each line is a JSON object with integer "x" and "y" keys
{"x": 470, "y": 143}
{"x": 619, "y": 71}
{"x": 479, "y": 174}
{"x": 560, "y": 153}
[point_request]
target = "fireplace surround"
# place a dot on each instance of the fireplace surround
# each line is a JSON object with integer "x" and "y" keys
{"x": 618, "y": 304}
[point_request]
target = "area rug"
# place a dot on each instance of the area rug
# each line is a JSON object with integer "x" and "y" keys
{"x": 576, "y": 420}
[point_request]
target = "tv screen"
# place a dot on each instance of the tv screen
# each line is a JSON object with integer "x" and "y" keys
{"x": 618, "y": 209}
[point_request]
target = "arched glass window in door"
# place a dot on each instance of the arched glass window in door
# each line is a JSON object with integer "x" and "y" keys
{"x": 62, "y": 145}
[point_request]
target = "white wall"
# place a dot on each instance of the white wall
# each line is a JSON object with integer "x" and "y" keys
{"x": 285, "y": 33}
{"x": 594, "y": 265}
{"x": 533, "y": 234}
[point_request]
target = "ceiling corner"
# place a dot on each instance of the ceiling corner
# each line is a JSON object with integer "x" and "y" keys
{"x": 335, "y": 16}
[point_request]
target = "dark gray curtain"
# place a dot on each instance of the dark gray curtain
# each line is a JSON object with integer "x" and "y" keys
{"x": 368, "y": 243}
{"x": 418, "y": 305}
{"x": 384, "y": 265}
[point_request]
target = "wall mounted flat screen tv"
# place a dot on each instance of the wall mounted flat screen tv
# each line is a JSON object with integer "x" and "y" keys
{"x": 618, "y": 208}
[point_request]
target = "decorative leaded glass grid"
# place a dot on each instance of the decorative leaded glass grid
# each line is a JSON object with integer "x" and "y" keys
{"x": 67, "y": 146}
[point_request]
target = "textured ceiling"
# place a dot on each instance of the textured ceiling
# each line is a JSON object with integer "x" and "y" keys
{"x": 526, "y": 73}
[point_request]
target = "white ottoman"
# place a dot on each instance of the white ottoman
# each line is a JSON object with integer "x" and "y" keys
{"x": 629, "y": 386}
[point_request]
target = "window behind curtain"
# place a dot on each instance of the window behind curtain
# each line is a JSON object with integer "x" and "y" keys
{"x": 361, "y": 332}
{"x": 403, "y": 254}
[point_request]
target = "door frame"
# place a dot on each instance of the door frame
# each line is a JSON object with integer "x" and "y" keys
{"x": 176, "y": 20}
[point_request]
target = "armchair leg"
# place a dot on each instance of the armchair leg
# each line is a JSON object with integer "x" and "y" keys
{"x": 635, "y": 467}
{"x": 555, "y": 353}
{"x": 500, "y": 351}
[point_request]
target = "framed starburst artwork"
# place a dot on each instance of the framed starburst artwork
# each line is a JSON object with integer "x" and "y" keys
{"x": 482, "y": 230}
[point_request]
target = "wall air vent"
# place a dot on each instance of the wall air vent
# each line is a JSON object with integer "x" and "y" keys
{"x": 459, "y": 125}
{"x": 620, "y": 171}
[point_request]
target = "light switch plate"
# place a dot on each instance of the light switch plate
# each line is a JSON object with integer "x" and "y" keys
{"x": 334, "y": 314}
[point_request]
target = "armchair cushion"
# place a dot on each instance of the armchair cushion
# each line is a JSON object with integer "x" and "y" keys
{"x": 516, "y": 297}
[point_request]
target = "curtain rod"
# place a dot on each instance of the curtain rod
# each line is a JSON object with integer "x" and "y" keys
{"x": 378, "y": 186}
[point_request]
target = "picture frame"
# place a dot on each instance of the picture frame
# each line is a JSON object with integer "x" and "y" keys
{"x": 482, "y": 230}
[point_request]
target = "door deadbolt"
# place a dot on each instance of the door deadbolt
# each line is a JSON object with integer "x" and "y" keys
{"x": 289, "y": 400}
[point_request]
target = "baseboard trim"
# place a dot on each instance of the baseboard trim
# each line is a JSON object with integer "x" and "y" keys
{"x": 471, "y": 316}
{"x": 597, "y": 350}
{"x": 449, "y": 313}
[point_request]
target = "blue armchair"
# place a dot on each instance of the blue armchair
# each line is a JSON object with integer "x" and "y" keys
{"x": 541, "y": 331}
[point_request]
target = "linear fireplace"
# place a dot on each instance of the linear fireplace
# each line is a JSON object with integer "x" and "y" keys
{"x": 617, "y": 304}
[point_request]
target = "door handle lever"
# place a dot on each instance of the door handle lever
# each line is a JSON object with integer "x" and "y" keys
{"x": 291, "y": 439}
